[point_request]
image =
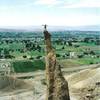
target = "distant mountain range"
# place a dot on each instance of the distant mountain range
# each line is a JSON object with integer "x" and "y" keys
{"x": 50, "y": 28}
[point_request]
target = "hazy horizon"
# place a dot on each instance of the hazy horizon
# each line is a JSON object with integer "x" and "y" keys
{"x": 51, "y": 28}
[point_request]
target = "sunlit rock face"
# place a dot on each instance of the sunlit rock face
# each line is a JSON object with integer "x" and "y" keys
{"x": 57, "y": 86}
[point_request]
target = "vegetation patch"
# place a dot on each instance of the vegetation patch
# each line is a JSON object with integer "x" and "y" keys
{"x": 28, "y": 66}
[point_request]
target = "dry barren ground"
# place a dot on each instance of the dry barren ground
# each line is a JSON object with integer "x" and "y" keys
{"x": 83, "y": 83}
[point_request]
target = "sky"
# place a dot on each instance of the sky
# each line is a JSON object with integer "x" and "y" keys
{"x": 51, "y": 12}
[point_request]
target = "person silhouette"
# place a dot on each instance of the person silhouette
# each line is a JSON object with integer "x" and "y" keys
{"x": 45, "y": 27}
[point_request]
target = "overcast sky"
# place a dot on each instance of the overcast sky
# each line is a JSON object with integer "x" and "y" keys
{"x": 51, "y": 12}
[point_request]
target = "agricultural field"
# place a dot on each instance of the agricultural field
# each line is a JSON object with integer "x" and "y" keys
{"x": 76, "y": 47}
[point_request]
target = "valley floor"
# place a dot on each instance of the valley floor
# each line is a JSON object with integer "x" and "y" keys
{"x": 84, "y": 81}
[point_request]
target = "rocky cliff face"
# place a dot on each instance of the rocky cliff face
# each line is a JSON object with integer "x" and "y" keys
{"x": 57, "y": 86}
